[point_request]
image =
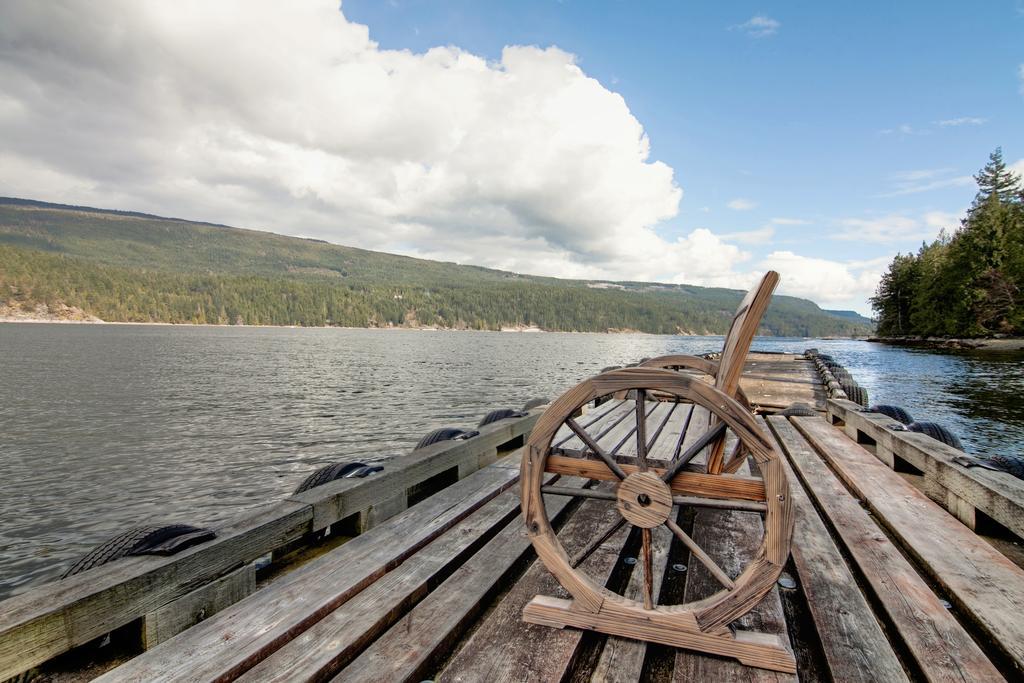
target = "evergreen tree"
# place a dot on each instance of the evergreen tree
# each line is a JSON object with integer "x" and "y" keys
{"x": 996, "y": 180}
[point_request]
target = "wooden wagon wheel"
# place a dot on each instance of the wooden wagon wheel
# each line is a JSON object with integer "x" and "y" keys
{"x": 645, "y": 496}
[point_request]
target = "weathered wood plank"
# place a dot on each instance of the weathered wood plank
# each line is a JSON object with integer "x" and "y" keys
{"x": 235, "y": 640}
{"x": 622, "y": 659}
{"x": 981, "y": 581}
{"x": 596, "y": 422}
{"x": 654, "y": 424}
{"x": 664, "y": 447}
{"x": 327, "y": 646}
{"x": 58, "y": 616}
{"x": 416, "y": 643}
{"x": 171, "y": 619}
{"x": 341, "y": 498}
{"x": 998, "y": 494}
{"x": 853, "y": 642}
{"x": 940, "y": 647}
{"x": 504, "y": 647}
{"x": 732, "y": 540}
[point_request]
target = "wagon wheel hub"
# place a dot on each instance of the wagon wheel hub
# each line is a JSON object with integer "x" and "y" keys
{"x": 644, "y": 500}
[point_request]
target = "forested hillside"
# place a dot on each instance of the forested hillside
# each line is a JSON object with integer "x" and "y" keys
{"x": 122, "y": 266}
{"x": 967, "y": 284}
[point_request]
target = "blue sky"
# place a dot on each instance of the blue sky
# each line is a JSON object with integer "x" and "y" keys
{"x": 823, "y": 112}
{"x": 691, "y": 142}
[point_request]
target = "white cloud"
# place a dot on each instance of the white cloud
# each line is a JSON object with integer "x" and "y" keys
{"x": 286, "y": 116}
{"x": 925, "y": 180}
{"x": 740, "y": 204}
{"x": 903, "y": 129}
{"x": 943, "y": 220}
{"x": 832, "y": 284}
{"x": 961, "y": 121}
{"x": 758, "y": 26}
{"x": 891, "y": 228}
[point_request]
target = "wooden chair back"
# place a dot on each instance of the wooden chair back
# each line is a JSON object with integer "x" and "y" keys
{"x": 741, "y": 332}
{"x": 737, "y": 346}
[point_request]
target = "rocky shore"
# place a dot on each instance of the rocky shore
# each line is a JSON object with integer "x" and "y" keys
{"x": 983, "y": 344}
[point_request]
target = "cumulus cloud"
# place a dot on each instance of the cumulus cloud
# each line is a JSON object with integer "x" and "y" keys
{"x": 758, "y": 26}
{"x": 832, "y": 284}
{"x": 288, "y": 117}
{"x": 740, "y": 204}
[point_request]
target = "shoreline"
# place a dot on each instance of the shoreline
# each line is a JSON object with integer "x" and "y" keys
{"x": 954, "y": 344}
{"x": 426, "y": 328}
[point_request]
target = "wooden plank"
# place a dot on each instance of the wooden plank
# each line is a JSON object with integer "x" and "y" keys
{"x": 852, "y": 640}
{"x": 684, "y": 483}
{"x": 504, "y": 647}
{"x": 58, "y": 616}
{"x": 52, "y": 619}
{"x": 625, "y": 432}
{"x": 622, "y": 659}
{"x": 171, "y": 619}
{"x": 592, "y": 420}
{"x": 981, "y": 581}
{"x": 619, "y": 413}
{"x": 664, "y": 447}
{"x": 235, "y": 640}
{"x": 414, "y": 645}
{"x": 341, "y": 498}
{"x": 654, "y": 424}
{"x": 998, "y": 494}
{"x": 940, "y": 647}
{"x": 732, "y": 540}
{"x": 327, "y": 646}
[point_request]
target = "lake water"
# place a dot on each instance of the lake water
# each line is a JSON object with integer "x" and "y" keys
{"x": 103, "y": 427}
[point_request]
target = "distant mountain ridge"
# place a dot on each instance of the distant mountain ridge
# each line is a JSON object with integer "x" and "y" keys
{"x": 132, "y": 266}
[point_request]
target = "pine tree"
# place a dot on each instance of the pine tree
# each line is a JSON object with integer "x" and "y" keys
{"x": 996, "y": 180}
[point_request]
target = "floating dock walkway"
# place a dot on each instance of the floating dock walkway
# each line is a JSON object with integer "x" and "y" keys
{"x": 427, "y": 568}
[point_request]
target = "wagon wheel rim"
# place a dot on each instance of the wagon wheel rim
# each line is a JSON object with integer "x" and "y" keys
{"x": 678, "y": 482}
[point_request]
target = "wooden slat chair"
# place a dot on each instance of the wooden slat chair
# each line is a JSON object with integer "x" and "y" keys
{"x": 647, "y": 495}
{"x": 729, "y": 368}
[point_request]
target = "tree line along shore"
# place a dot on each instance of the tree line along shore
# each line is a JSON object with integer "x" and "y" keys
{"x": 968, "y": 284}
{"x": 79, "y": 262}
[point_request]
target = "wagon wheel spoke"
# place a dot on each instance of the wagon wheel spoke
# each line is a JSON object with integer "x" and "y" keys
{"x": 695, "y": 448}
{"x": 648, "y": 562}
{"x": 577, "y": 493}
{"x": 641, "y": 430}
{"x": 597, "y": 450}
{"x": 699, "y": 553}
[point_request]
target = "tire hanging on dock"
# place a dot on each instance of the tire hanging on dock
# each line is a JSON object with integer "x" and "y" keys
{"x": 329, "y": 473}
{"x": 445, "y": 434}
{"x": 895, "y": 412}
{"x": 500, "y": 414}
{"x": 937, "y": 432}
{"x": 143, "y": 540}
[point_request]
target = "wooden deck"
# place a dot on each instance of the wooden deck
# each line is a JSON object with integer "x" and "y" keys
{"x": 886, "y": 584}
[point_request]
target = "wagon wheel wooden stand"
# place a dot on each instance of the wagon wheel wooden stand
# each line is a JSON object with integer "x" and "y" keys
{"x": 644, "y": 496}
